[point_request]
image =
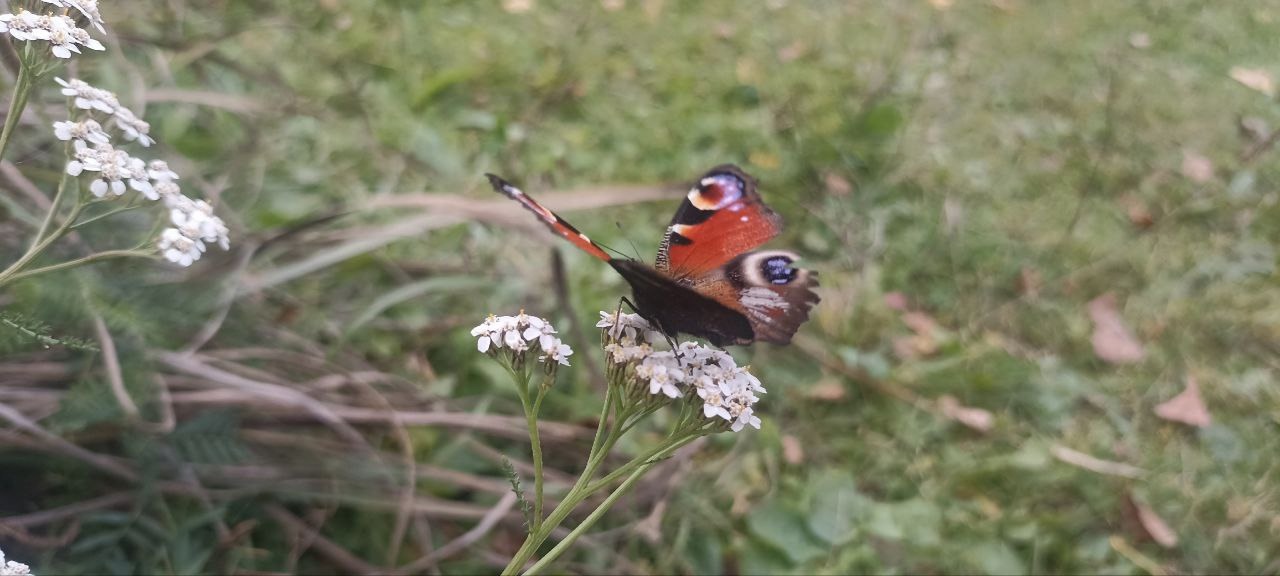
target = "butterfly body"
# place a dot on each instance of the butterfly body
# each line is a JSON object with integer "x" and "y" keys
{"x": 707, "y": 281}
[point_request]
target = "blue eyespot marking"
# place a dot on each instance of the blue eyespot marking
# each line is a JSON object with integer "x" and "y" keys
{"x": 778, "y": 270}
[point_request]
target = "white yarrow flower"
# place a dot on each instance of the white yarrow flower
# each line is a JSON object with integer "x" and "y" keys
{"x": 84, "y": 158}
{"x": 12, "y": 568}
{"x": 159, "y": 171}
{"x": 557, "y": 352}
{"x": 628, "y": 326}
{"x": 723, "y": 392}
{"x": 519, "y": 334}
{"x": 87, "y": 97}
{"x": 179, "y": 249}
{"x": 60, "y": 31}
{"x": 134, "y": 128}
{"x": 87, "y": 8}
{"x": 88, "y": 130}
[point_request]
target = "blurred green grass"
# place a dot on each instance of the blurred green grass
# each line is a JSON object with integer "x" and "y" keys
{"x": 948, "y": 155}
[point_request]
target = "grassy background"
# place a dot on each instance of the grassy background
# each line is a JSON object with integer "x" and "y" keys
{"x": 997, "y": 165}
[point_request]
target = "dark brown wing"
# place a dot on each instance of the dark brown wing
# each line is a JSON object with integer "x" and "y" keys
{"x": 679, "y": 309}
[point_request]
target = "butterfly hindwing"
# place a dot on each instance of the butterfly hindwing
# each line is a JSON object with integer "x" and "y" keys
{"x": 721, "y": 217}
{"x": 772, "y": 293}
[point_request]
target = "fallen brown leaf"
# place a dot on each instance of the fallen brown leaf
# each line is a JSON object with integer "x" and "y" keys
{"x": 1092, "y": 464}
{"x": 517, "y": 6}
{"x": 1152, "y": 524}
{"x": 1255, "y": 78}
{"x": 792, "y": 451}
{"x": 1196, "y": 167}
{"x": 1187, "y": 407}
{"x": 895, "y": 301}
{"x": 1112, "y": 340}
{"x": 920, "y": 323}
{"x": 1029, "y": 282}
{"x": 836, "y": 184}
{"x": 829, "y": 390}
{"x": 792, "y": 51}
{"x": 975, "y": 418}
{"x": 1139, "y": 215}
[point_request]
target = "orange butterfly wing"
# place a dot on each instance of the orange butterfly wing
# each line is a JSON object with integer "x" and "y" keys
{"x": 721, "y": 218}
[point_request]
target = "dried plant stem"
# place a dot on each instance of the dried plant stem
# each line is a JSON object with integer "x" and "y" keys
{"x": 111, "y": 362}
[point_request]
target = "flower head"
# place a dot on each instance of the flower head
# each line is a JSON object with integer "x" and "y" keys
{"x": 627, "y": 326}
{"x": 61, "y": 32}
{"x": 86, "y": 8}
{"x": 724, "y": 393}
{"x": 87, "y": 130}
{"x": 520, "y": 334}
{"x": 11, "y": 568}
{"x": 88, "y": 97}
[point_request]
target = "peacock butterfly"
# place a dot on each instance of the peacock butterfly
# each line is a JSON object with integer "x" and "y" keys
{"x": 706, "y": 281}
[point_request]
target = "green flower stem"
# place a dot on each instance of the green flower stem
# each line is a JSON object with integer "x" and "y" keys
{"x": 57, "y": 201}
{"x": 608, "y": 503}
{"x": 642, "y": 460}
{"x": 107, "y": 214}
{"x": 600, "y": 448}
{"x": 17, "y": 104}
{"x": 531, "y": 418}
{"x": 14, "y": 271}
{"x": 95, "y": 257}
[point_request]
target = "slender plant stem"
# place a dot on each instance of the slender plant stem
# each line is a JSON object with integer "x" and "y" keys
{"x": 107, "y": 214}
{"x": 95, "y": 257}
{"x": 531, "y": 418}
{"x": 17, "y": 103}
{"x": 57, "y": 201}
{"x": 14, "y": 270}
{"x": 646, "y": 458}
{"x": 606, "y": 505}
{"x": 599, "y": 448}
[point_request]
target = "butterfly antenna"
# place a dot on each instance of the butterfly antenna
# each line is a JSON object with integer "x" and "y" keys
{"x": 634, "y": 248}
{"x": 611, "y": 249}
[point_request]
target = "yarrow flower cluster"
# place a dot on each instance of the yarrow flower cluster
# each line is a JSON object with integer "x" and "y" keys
{"x": 11, "y": 568}
{"x": 87, "y": 97}
{"x": 518, "y": 334}
{"x": 194, "y": 224}
{"x": 86, "y": 8}
{"x": 60, "y": 31}
{"x": 726, "y": 391}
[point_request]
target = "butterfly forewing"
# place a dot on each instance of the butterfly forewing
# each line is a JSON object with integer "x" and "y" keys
{"x": 721, "y": 217}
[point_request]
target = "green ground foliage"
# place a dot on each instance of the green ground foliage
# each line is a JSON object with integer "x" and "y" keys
{"x": 967, "y": 178}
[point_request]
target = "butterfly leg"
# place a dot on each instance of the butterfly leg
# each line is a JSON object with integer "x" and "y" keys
{"x": 652, "y": 322}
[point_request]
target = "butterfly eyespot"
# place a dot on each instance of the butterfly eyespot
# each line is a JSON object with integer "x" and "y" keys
{"x": 778, "y": 270}
{"x": 717, "y": 191}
